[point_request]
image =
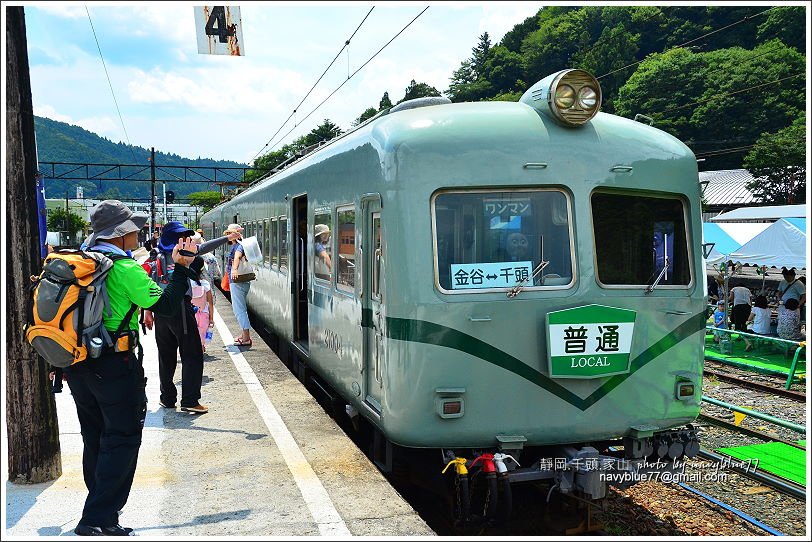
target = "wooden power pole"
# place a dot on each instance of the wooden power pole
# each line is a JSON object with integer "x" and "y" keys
{"x": 32, "y": 426}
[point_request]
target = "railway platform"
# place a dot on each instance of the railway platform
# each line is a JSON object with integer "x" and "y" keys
{"x": 266, "y": 460}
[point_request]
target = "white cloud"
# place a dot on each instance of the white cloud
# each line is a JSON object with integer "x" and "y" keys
{"x": 499, "y": 18}
{"x": 50, "y": 112}
{"x": 65, "y": 11}
{"x": 171, "y": 97}
{"x": 98, "y": 125}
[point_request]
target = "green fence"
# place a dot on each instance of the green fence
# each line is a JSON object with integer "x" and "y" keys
{"x": 765, "y": 354}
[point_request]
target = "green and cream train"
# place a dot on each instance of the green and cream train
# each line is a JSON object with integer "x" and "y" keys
{"x": 520, "y": 277}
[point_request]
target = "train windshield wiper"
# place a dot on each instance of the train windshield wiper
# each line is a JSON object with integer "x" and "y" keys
{"x": 650, "y": 287}
{"x": 519, "y": 285}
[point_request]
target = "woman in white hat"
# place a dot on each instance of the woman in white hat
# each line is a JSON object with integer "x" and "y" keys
{"x": 239, "y": 290}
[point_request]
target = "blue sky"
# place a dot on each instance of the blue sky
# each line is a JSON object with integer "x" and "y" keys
{"x": 224, "y": 107}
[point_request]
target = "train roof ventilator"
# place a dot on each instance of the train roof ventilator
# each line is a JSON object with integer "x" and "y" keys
{"x": 570, "y": 97}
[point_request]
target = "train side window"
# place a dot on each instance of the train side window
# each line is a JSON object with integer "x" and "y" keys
{"x": 489, "y": 240}
{"x": 635, "y": 235}
{"x": 345, "y": 237}
{"x": 283, "y": 244}
{"x": 266, "y": 245}
{"x": 261, "y": 239}
{"x": 274, "y": 244}
{"x": 323, "y": 247}
{"x": 377, "y": 256}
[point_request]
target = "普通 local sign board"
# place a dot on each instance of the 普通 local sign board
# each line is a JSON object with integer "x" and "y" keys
{"x": 590, "y": 341}
{"x": 219, "y": 30}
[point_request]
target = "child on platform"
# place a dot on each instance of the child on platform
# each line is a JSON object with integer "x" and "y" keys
{"x": 719, "y": 320}
{"x": 203, "y": 301}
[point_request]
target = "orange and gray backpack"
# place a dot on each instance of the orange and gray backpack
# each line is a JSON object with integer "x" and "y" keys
{"x": 67, "y": 306}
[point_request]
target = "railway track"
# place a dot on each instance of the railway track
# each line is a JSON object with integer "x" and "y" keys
{"x": 727, "y": 377}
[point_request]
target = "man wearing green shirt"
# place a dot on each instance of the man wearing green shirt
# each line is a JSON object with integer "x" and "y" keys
{"x": 109, "y": 390}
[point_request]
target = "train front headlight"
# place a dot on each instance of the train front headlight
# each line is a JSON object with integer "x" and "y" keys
{"x": 575, "y": 97}
{"x": 570, "y": 97}
{"x": 564, "y": 97}
{"x": 587, "y": 98}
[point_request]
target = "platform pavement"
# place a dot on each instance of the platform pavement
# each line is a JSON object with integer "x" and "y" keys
{"x": 266, "y": 460}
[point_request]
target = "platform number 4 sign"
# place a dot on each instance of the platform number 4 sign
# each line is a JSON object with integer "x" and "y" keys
{"x": 219, "y": 30}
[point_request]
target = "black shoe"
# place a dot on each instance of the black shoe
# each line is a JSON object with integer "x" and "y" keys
{"x": 90, "y": 530}
{"x": 166, "y": 405}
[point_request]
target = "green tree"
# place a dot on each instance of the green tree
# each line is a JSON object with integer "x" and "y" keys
{"x": 787, "y": 24}
{"x": 60, "y": 220}
{"x": 778, "y": 165}
{"x": 368, "y": 113}
{"x": 718, "y": 100}
{"x": 325, "y": 131}
{"x": 419, "y": 90}
{"x": 206, "y": 199}
{"x": 480, "y": 55}
{"x": 111, "y": 193}
{"x": 514, "y": 37}
{"x": 385, "y": 103}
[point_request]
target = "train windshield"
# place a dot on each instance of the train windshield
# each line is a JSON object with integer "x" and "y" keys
{"x": 492, "y": 240}
{"x": 640, "y": 240}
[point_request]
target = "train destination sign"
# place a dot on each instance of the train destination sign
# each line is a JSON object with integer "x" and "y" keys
{"x": 590, "y": 341}
{"x": 489, "y": 275}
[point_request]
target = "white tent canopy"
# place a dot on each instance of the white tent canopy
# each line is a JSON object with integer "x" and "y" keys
{"x": 782, "y": 244}
{"x": 768, "y": 212}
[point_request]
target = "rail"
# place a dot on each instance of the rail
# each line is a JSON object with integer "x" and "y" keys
{"x": 756, "y": 414}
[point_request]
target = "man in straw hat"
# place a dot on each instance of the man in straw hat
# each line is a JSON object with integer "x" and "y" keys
{"x": 109, "y": 390}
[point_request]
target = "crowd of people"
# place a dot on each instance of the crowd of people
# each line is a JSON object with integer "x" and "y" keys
{"x": 755, "y": 315}
{"x": 164, "y": 286}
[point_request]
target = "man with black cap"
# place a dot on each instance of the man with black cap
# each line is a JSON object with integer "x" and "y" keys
{"x": 109, "y": 390}
{"x": 173, "y": 334}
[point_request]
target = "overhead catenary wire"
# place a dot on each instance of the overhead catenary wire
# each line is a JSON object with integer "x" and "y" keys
{"x": 351, "y": 76}
{"x": 747, "y": 18}
{"x": 111, "y": 84}
{"x": 719, "y": 152}
{"x": 346, "y": 44}
{"x": 722, "y": 95}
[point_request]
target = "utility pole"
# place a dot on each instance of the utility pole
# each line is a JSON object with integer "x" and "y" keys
{"x": 152, "y": 198}
{"x": 31, "y": 421}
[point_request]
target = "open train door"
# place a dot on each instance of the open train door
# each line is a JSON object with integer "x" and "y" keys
{"x": 299, "y": 273}
{"x": 373, "y": 302}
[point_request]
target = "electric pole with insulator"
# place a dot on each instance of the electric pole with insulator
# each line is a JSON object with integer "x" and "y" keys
{"x": 32, "y": 427}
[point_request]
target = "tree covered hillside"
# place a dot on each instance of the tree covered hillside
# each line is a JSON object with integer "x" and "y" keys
{"x": 727, "y": 80}
{"x": 62, "y": 142}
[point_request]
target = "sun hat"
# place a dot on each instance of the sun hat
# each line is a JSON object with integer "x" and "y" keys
{"x": 321, "y": 229}
{"x": 232, "y": 228}
{"x": 110, "y": 219}
{"x": 171, "y": 234}
{"x": 197, "y": 238}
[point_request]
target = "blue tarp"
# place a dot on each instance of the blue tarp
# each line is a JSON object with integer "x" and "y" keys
{"x": 724, "y": 244}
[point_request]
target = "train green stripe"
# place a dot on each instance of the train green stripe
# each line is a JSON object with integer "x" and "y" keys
{"x": 430, "y": 333}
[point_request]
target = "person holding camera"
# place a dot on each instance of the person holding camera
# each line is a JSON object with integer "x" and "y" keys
{"x": 179, "y": 334}
{"x": 109, "y": 390}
